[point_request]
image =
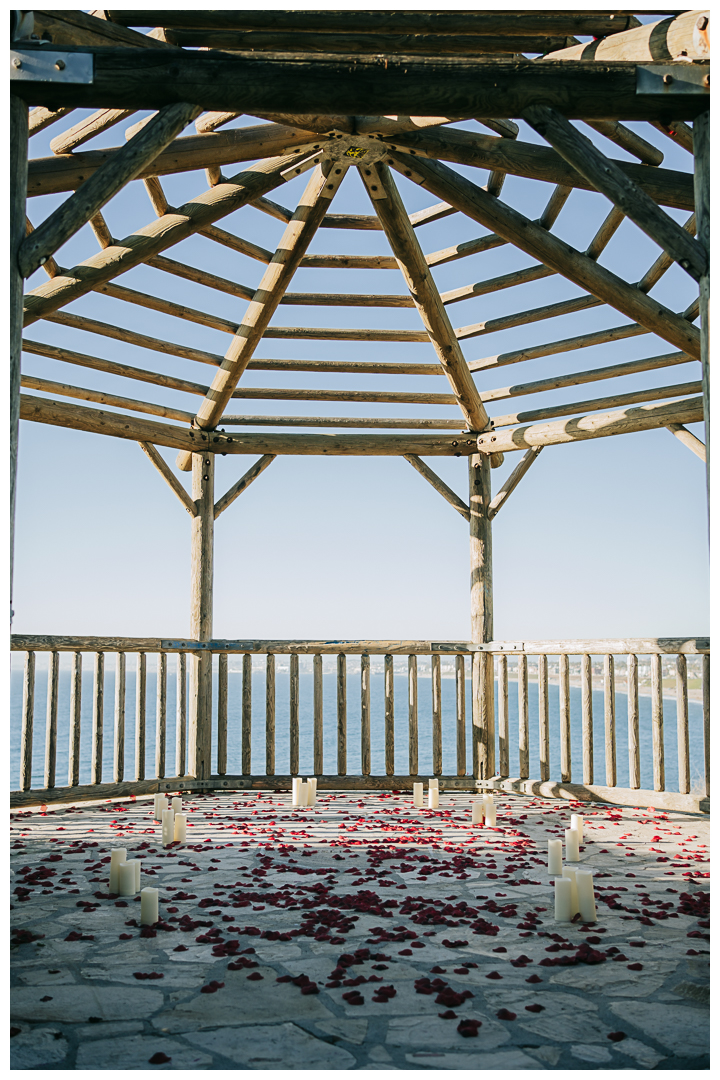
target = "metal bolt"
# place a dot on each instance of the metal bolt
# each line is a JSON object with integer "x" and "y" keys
{"x": 668, "y": 79}
{"x": 702, "y": 22}
{"x": 60, "y": 65}
{"x": 706, "y": 80}
{"x": 16, "y": 62}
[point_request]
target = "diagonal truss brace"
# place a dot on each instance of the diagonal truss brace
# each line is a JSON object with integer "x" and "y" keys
{"x": 244, "y": 482}
{"x": 166, "y": 472}
{"x": 440, "y": 486}
{"x": 688, "y": 439}
{"x": 512, "y": 481}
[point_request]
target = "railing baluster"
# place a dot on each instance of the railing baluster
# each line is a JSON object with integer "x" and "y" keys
{"x": 161, "y": 716}
{"x": 28, "y": 711}
{"x": 683, "y": 738}
{"x": 544, "y": 718}
{"x": 294, "y": 714}
{"x": 523, "y": 718}
{"x": 247, "y": 714}
{"x": 483, "y": 715}
{"x": 657, "y": 722}
{"x": 140, "y": 715}
{"x": 503, "y": 718}
{"x": 97, "y": 718}
{"x": 389, "y": 716}
{"x": 412, "y": 716}
{"x": 436, "y": 714}
{"x": 270, "y": 715}
{"x": 75, "y": 707}
{"x": 706, "y": 719}
{"x": 51, "y": 721}
{"x": 119, "y": 733}
{"x": 341, "y": 714}
{"x": 222, "y": 714}
{"x": 460, "y": 714}
{"x": 317, "y": 714}
{"x": 609, "y": 701}
{"x": 180, "y": 715}
{"x": 633, "y": 721}
{"x": 565, "y": 733}
{"x": 587, "y": 717}
{"x": 365, "y": 714}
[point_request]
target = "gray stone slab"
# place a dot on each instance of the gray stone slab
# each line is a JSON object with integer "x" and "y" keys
{"x": 135, "y": 1051}
{"x": 251, "y": 1003}
{"x": 595, "y": 1053}
{"x": 42, "y": 977}
{"x": 37, "y": 1049}
{"x": 174, "y": 976}
{"x": 76, "y": 1005}
{"x": 107, "y": 1030}
{"x": 353, "y": 1031}
{"x": 274, "y": 1046}
{"x": 680, "y": 1028}
{"x": 433, "y": 1033}
{"x": 644, "y": 1056}
{"x": 510, "y": 1059}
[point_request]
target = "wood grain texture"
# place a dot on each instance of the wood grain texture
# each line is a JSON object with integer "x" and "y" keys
{"x": 633, "y": 722}
{"x": 656, "y": 706}
{"x": 341, "y": 686}
{"x": 90, "y": 126}
{"x": 683, "y": 735}
{"x": 26, "y": 733}
{"x": 169, "y": 476}
{"x": 512, "y": 481}
{"x": 119, "y": 719}
{"x": 523, "y": 717}
{"x": 244, "y": 482}
{"x": 181, "y": 716}
{"x": 688, "y": 439}
{"x": 481, "y": 581}
{"x": 41, "y": 118}
{"x": 543, "y": 717}
{"x": 389, "y": 716}
{"x": 75, "y": 717}
{"x": 246, "y": 733}
{"x": 594, "y": 793}
{"x": 18, "y": 184}
{"x": 201, "y": 615}
{"x": 51, "y": 720}
{"x": 294, "y": 714}
{"x": 140, "y": 715}
{"x": 565, "y": 722}
{"x": 460, "y": 741}
{"x": 701, "y": 149}
{"x": 412, "y": 715}
{"x": 440, "y": 486}
{"x": 161, "y": 715}
{"x": 365, "y": 762}
{"x": 269, "y": 714}
{"x": 609, "y": 710}
{"x": 587, "y": 718}
{"x": 436, "y": 677}
{"x": 96, "y": 759}
{"x": 503, "y": 718}
{"x": 669, "y": 39}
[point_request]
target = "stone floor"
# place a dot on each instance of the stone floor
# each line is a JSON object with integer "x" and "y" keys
{"x": 361, "y": 934}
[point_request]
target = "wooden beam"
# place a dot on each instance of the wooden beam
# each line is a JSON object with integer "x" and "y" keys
{"x": 644, "y": 418}
{"x": 434, "y": 480}
{"x": 131, "y": 337}
{"x": 18, "y": 179}
{"x": 357, "y": 85}
{"x": 201, "y": 616}
{"x": 701, "y": 147}
{"x": 389, "y": 423}
{"x": 68, "y": 27}
{"x": 512, "y": 481}
{"x": 41, "y": 118}
{"x": 166, "y": 472}
{"x": 144, "y": 243}
{"x": 629, "y": 140}
{"x": 294, "y": 242}
{"x": 51, "y": 175}
{"x": 675, "y": 38}
{"x": 481, "y": 616}
{"x": 606, "y": 177}
{"x": 63, "y": 414}
{"x": 100, "y": 397}
{"x": 87, "y": 129}
{"x": 564, "y": 259}
{"x": 666, "y": 186}
{"x": 76, "y": 211}
{"x": 688, "y": 439}
{"x": 389, "y": 207}
{"x": 244, "y": 482}
{"x": 613, "y": 401}
{"x": 679, "y": 132}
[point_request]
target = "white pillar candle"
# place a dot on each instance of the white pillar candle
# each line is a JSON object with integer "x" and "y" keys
{"x": 563, "y": 899}
{"x": 126, "y": 879}
{"x": 432, "y": 782}
{"x": 137, "y": 865}
{"x": 489, "y": 809}
{"x": 148, "y": 907}
{"x": 417, "y": 795}
{"x": 177, "y": 805}
{"x": 586, "y": 895}
{"x": 576, "y": 822}
{"x": 433, "y": 798}
{"x": 555, "y": 865}
{"x": 303, "y": 792}
{"x": 160, "y": 805}
{"x": 119, "y": 855}
{"x": 477, "y": 813}
{"x": 168, "y": 827}
{"x": 180, "y": 828}
{"x": 296, "y": 790}
{"x": 570, "y": 875}
{"x": 572, "y": 845}
{"x": 312, "y": 790}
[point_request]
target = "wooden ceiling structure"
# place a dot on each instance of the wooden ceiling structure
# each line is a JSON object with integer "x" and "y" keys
{"x": 335, "y": 91}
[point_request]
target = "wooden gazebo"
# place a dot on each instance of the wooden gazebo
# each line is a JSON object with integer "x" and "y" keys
{"x": 335, "y": 91}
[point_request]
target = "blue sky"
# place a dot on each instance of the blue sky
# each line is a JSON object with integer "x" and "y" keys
{"x": 601, "y": 539}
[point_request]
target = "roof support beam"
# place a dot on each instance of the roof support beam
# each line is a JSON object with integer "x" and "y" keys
{"x": 244, "y": 482}
{"x": 688, "y": 439}
{"x": 440, "y": 486}
{"x": 294, "y": 242}
{"x": 605, "y": 176}
{"x": 671, "y": 39}
{"x": 512, "y": 481}
{"x": 542, "y": 245}
{"x": 167, "y": 474}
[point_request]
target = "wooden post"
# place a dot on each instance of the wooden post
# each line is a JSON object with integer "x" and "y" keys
{"x": 609, "y": 701}
{"x": 460, "y": 714}
{"x": 412, "y": 716}
{"x": 269, "y": 714}
{"x": 503, "y": 717}
{"x": 51, "y": 722}
{"x": 706, "y": 720}
{"x": 658, "y": 744}
{"x": 201, "y": 615}
{"x": 181, "y": 715}
{"x": 365, "y": 714}
{"x": 246, "y": 739}
{"x": 161, "y": 715}
{"x": 294, "y": 714}
{"x": 481, "y": 617}
{"x": 222, "y": 710}
{"x": 18, "y": 191}
{"x": 341, "y": 714}
{"x": 683, "y": 742}
{"x": 317, "y": 714}
{"x": 565, "y": 733}
{"x": 140, "y": 715}
{"x": 543, "y": 717}
{"x": 587, "y": 717}
{"x": 97, "y": 719}
{"x": 28, "y": 711}
{"x": 389, "y": 716}
{"x": 75, "y": 707}
{"x": 633, "y": 722}
{"x": 436, "y": 714}
{"x": 523, "y": 718}
{"x": 701, "y": 150}
{"x": 119, "y": 739}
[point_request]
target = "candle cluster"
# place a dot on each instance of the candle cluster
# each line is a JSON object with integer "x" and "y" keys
{"x": 304, "y": 792}
{"x": 574, "y": 891}
{"x": 174, "y": 822}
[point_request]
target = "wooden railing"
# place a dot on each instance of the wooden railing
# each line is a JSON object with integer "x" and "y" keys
{"x": 491, "y": 669}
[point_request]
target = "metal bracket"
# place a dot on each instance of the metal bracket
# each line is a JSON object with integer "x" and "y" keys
{"x": 674, "y": 79}
{"x": 51, "y": 67}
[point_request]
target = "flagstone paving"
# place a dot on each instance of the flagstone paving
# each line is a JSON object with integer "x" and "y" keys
{"x": 358, "y": 934}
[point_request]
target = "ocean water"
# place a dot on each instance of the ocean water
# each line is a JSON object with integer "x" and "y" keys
{"x": 353, "y": 727}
